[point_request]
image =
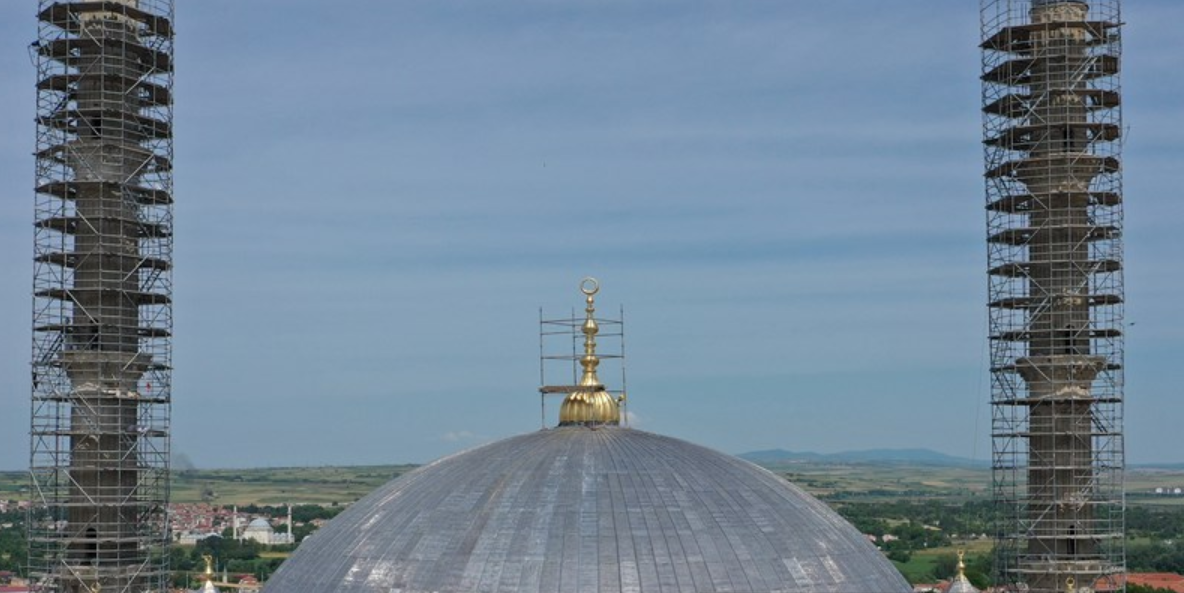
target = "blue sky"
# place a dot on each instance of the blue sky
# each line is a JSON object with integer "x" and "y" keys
{"x": 375, "y": 198}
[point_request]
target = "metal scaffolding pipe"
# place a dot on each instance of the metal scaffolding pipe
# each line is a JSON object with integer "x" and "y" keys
{"x": 1052, "y": 136}
{"x": 102, "y": 320}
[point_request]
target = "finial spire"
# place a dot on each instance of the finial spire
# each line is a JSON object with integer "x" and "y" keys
{"x": 961, "y": 584}
{"x": 591, "y": 404}
{"x": 589, "y": 286}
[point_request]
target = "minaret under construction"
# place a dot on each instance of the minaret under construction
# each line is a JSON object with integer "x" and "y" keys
{"x": 102, "y": 318}
{"x": 1052, "y": 123}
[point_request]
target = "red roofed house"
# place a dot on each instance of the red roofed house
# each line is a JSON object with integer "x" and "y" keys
{"x": 1156, "y": 580}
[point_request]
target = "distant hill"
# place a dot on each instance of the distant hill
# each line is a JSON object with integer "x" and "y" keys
{"x": 1166, "y": 466}
{"x": 886, "y": 456}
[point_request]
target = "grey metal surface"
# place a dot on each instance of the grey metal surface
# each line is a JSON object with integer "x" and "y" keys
{"x": 961, "y": 585}
{"x": 575, "y": 510}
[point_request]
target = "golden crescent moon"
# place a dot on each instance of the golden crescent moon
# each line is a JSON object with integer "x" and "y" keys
{"x": 589, "y": 286}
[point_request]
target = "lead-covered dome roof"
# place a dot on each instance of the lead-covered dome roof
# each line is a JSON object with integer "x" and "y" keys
{"x": 258, "y": 524}
{"x": 582, "y": 510}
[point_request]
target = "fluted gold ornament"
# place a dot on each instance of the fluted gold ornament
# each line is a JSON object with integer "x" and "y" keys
{"x": 591, "y": 404}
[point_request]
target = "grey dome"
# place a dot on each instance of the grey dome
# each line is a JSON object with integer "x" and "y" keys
{"x": 961, "y": 584}
{"x": 576, "y": 510}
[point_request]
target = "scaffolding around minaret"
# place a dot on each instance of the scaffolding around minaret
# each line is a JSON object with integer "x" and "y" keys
{"x": 1052, "y": 142}
{"x": 102, "y": 306}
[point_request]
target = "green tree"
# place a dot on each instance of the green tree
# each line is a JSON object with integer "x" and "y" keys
{"x": 13, "y": 550}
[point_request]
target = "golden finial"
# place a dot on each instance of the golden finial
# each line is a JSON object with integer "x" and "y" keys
{"x": 591, "y": 404}
{"x": 589, "y": 286}
{"x": 961, "y": 564}
{"x": 209, "y": 575}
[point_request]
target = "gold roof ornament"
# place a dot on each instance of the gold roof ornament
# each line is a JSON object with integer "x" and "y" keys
{"x": 590, "y": 404}
{"x": 961, "y": 584}
{"x": 207, "y": 578}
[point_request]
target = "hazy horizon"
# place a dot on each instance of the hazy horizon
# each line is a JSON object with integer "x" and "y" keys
{"x": 374, "y": 199}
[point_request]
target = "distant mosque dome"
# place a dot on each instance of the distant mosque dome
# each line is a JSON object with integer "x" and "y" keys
{"x": 589, "y": 506}
{"x": 259, "y": 524}
{"x": 260, "y": 530}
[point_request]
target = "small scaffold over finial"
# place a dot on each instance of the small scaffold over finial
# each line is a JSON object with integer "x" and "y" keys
{"x": 591, "y": 405}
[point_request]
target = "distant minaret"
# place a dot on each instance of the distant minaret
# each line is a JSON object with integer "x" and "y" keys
{"x": 291, "y": 540}
{"x": 102, "y": 321}
{"x": 1053, "y": 128}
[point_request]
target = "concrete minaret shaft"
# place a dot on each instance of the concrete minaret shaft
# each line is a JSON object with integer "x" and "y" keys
{"x": 102, "y": 315}
{"x": 1054, "y": 201}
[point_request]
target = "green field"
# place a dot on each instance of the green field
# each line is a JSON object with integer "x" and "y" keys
{"x": 836, "y": 482}
{"x": 13, "y": 485}
{"x": 878, "y": 498}
{"x": 920, "y": 568}
{"x": 264, "y": 486}
{"x": 880, "y": 481}
{"x": 297, "y": 485}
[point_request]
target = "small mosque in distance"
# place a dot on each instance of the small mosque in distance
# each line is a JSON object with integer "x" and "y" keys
{"x": 589, "y": 505}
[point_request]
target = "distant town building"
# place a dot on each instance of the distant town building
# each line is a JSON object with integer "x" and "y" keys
{"x": 10, "y": 583}
{"x": 260, "y": 530}
{"x": 191, "y": 538}
{"x": 1168, "y": 581}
